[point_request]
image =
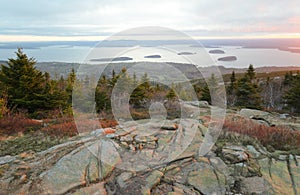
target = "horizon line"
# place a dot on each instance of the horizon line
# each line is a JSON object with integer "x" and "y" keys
{"x": 43, "y": 38}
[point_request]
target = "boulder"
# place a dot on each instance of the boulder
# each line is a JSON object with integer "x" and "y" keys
{"x": 250, "y": 113}
{"x": 200, "y": 104}
{"x": 234, "y": 154}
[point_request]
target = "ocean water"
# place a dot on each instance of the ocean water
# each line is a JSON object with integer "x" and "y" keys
{"x": 169, "y": 53}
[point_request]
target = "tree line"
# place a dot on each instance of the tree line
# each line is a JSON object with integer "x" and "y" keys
{"x": 25, "y": 88}
{"x": 268, "y": 93}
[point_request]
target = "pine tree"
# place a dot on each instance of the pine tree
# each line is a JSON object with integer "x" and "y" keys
{"x": 250, "y": 72}
{"x": 233, "y": 83}
{"x": 205, "y": 94}
{"x": 142, "y": 93}
{"x": 288, "y": 77}
{"x": 23, "y": 82}
{"x": 102, "y": 95}
{"x": 210, "y": 89}
{"x": 231, "y": 90}
{"x": 171, "y": 95}
{"x": 292, "y": 96}
{"x": 70, "y": 82}
{"x": 55, "y": 97}
{"x": 247, "y": 94}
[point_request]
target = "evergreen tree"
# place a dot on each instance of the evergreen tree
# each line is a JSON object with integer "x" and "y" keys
{"x": 23, "y": 82}
{"x": 231, "y": 90}
{"x": 102, "y": 95}
{"x": 55, "y": 97}
{"x": 288, "y": 78}
{"x": 70, "y": 82}
{"x": 247, "y": 94}
{"x": 125, "y": 82}
{"x": 205, "y": 94}
{"x": 292, "y": 96}
{"x": 171, "y": 95}
{"x": 233, "y": 83}
{"x": 141, "y": 93}
{"x": 210, "y": 89}
{"x": 250, "y": 72}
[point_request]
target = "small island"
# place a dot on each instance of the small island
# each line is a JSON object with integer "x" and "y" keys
{"x": 186, "y": 53}
{"x": 216, "y": 51}
{"x": 153, "y": 56}
{"x": 116, "y": 59}
{"x": 228, "y": 58}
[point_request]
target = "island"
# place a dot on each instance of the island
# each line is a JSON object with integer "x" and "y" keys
{"x": 216, "y": 51}
{"x": 116, "y": 59}
{"x": 186, "y": 53}
{"x": 153, "y": 56}
{"x": 228, "y": 58}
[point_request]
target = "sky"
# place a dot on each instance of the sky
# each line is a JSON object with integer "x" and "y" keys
{"x": 72, "y": 20}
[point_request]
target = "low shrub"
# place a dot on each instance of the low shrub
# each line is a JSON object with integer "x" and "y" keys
{"x": 61, "y": 130}
{"x": 67, "y": 127}
{"x": 12, "y": 124}
{"x": 105, "y": 123}
{"x": 279, "y": 138}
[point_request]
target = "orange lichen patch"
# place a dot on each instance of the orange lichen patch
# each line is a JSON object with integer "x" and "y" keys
{"x": 175, "y": 126}
{"x": 109, "y": 131}
{"x": 26, "y": 155}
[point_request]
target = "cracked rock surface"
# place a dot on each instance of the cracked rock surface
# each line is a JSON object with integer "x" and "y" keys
{"x": 149, "y": 159}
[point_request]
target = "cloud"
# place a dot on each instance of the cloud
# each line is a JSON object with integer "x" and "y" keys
{"x": 105, "y": 17}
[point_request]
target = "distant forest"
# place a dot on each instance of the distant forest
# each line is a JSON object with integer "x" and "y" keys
{"x": 26, "y": 89}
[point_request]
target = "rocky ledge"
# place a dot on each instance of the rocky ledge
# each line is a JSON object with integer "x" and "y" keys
{"x": 152, "y": 158}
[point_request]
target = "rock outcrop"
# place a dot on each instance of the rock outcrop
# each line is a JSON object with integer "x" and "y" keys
{"x": 270, "y": 119}
{"x": 151, "y": 158}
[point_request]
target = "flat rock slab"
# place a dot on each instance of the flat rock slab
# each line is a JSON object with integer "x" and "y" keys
{"x": 80, "y": 166}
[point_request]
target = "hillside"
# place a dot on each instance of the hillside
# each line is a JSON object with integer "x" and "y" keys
{"x": 57, "y": 69}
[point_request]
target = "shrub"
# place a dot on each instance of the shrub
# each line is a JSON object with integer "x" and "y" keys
{"x": 280, "y": 138}
{"x": 62, "y": 129}
{"x": 67, "y": 126}
{"x": 12, "y": 124}
{"x": 108, "y": 123}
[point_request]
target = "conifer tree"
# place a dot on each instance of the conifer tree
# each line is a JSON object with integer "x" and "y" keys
{"x": 250, "y": 72}
{"x": 141, "y": 93}
{"x": 23, "y": 82}
{"x": 171, "y": 95}
{"x": 292, "y": 96}
{"x": 233, "y": 83}
{"x": 247, "y": 94}
{"x": 102, "y": 95}
{"x": 70, "y": 82}
{"x": 231, "y": 90}
{"x": 209, "y": 89}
